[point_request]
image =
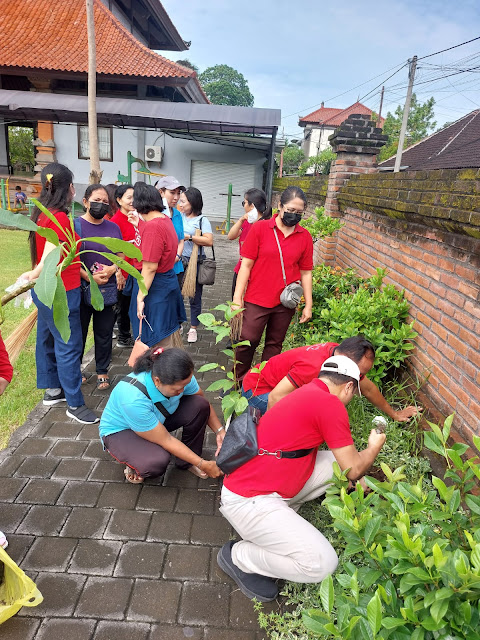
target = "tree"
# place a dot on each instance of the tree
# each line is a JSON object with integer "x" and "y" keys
{"x": 319, "y": 163}
{"x": 292, "y": 157}
{"x": 20, "y": 144}
{"x": 224, "y": 85}
{"x": 95, "y": 171}
{"x": 188, "y": 64}
{"x": 419, "y": 125}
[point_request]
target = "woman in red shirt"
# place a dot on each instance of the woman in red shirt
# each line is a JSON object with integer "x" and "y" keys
{"x": 261, "y": 278}
{"x": 255, "y": 207}
{"x": 58, "y": 362}
{"x": 163, "y": 307}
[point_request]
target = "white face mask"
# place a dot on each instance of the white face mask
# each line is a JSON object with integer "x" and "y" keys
{"x": 252, "y": 215}
{"x": 167, "y": 208}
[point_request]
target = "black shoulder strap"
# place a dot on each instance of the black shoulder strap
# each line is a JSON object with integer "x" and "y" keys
{"x": 141, "y": 387}
{"x": 201, "y": 232}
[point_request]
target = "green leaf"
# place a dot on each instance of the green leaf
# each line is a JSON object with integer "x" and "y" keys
{"x": 49, "y": 214}
{"x": 392, "y": 623}
{"x": 228, "y": 352}
{"x": 432, "y": 443}
{"x": 207, "y": 367}
{"x": 47, "y": 282}
{"x": 372, "y": 528}
{"x": 221, "y": 307}
{"x": 118, "y": 246}
{"x": 475, "y": 557}
{"x": 418, "y": 634}
{"x": 438, "y": 610}
{"x": 327, "y": 594}
{"x": 447, "y": 425}
{"x": 222, "y": 332}
{"x": 374, "y": 614}
{"x": 476, "y": 442}
{"x": 441, "y": 487}
{"x": 241, "y": 406}
{"x": 207, "y": 319}
{"x": 96, "y": 297}
{"x": 312, "y": 624}
{"x": 60, "y": 310}
{"x": 220, "y": 384}
{"x": 473, "y": 503}
{"x": 241, "y": 344}
{"x": 364, "y": 631}
{"x": 19, "y": 221}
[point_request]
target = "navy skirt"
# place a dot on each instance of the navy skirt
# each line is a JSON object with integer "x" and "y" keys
{"x": 164, "y": 308}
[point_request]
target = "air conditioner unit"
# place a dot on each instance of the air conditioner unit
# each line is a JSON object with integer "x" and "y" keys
{"x": 153, "y": 154}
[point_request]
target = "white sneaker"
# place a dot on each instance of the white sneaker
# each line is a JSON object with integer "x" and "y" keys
{"x": 3, "y": 540}
{"x": 192, "y": 335}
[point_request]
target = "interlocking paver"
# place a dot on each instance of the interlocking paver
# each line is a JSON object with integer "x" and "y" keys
{"x": 49, "y": 554}
{"x": 80, "y": 494}
{"x": 68, "y": 449}
{"x": 204, "y": 603}
{"x": 242, "y": 614}
{"x": 44, "y": 520}
{"x": 194, "y": 501}
{"x": 128, "y": 525}
{"x": 60, "y": 629}
{"x": 154, "y": 601}
{"x": 19, "y": 629}
{"x": 119, "y": 496}
{"x": 37, "y": 467}
{"x": 10, "y": 465}
{"x": 95, "y": 557}
{"x": 170, "y": 527}
{"x": 104, "y": 598}
{"x": 60, "y": 594}
{"x": 122, "y": 631}
{"x": 68, "y": 430}
{"x": 156, "y": 498}
{"x": 10, "y": 488}
{"x": 35, "y": 447}
{"x": 94, "y": 450}
{"x": 140, "y": 560}
{"x": 73, "y": 469}
{"x": 186, "y": 562}
{"x": 210, "y": 530}
{"x": 107, "y": 471}
{"x": 228, "y": 634}
{"x": 177, "y": 632}
{"x": 86, "y": 522}
{"x": 18, "y": 545}
{"x": 12, "y": 515}
{"x": 40, "y": 491}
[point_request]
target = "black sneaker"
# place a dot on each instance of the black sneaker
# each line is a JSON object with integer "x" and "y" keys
{"x": 50, "y": 399}
{"x": 82, "y": 414}
{"x": 125, "y": 343}
{"x": 252, "y": 585}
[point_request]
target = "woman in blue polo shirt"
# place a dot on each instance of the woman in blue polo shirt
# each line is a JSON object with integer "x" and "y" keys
{"x": 160, "y": 396}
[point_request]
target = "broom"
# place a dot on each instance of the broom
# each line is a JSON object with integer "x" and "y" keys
{"x": 177, "y": 341}
{"x": 17, "y": 339}
{"x": 190, "y": 279}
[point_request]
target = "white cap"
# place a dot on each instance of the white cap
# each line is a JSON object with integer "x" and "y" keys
{"x": 343, "y": 366}
{"x": 170, "y": 183}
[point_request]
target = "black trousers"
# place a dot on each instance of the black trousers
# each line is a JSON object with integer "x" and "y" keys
{"x": 103, "y": 322}
{"x": 123, "y": 319}
{"x": 149, "y": 459}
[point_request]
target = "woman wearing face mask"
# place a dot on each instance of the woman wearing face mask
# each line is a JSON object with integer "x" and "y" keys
{"x": 255, "y": 207}
{"x": 58, "y": 362}
{"x": 262, "y": 277}
{"x": 105, "y": 274}
{"x": 170, "y": 189}
{"x": 160, "y": 396}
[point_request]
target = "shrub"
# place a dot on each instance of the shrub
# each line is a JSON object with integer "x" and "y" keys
{"x": 319, "y": 225}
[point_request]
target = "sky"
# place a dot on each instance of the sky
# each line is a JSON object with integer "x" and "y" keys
{"x": 294, "y": 55}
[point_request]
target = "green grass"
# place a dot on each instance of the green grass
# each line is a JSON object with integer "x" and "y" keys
{"x": 21, "y": 395}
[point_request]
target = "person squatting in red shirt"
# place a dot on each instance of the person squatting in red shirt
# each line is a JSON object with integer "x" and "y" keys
{"x": 261, "y": 498}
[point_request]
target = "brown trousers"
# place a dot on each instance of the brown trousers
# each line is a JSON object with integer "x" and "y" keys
{"x": 255, "y": 319}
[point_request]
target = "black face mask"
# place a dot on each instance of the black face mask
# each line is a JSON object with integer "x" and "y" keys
{"x": 291, "y": 219}
{"x": 98, "y": 210}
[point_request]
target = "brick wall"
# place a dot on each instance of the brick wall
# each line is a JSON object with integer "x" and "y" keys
{"x": 418, "y": 227}
{"x": 315, "y": 187}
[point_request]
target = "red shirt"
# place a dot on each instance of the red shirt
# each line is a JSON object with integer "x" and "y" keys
{"x": 246, "y": 226}
{"x": 159, "y": 243}
{"x": 306, "y": 418}
{"x": 71, "y": 275}
{"x": 300, "y": 366}
{"x": 127, "y": 230}
{"x": 266, "y": 280}
{"x": 6, "y": 369}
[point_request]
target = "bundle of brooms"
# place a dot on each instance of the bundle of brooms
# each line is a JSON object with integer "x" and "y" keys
{"x": 190, "y": 279}
{"x": 15, "y": 342}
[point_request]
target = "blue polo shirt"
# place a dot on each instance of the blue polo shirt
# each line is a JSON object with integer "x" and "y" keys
{"x": 129, "y": 408}
{"x": 177, "y": 221}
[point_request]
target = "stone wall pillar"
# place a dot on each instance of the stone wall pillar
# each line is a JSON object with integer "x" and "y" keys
{"x": 356, "y": 142}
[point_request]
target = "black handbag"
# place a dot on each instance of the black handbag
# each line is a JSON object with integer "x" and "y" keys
{"x": 206, "y": 267}
{"x": 240, "y": 443}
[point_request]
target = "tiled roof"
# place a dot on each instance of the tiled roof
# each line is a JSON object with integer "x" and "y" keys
{"x": 334, "y": 117}
{"x": 52, "y": 35}
{"x": 455, "y": 147}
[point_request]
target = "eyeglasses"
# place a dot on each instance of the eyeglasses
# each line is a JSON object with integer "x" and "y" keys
{"x": 294, "y": 212}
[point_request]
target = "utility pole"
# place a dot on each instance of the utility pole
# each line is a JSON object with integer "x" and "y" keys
{"x": 380, "y": 110}
{"x": 95, "y": 172}
{"x": 406, "y": 111}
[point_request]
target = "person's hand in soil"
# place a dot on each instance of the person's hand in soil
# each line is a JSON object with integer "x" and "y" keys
{"x": 211, "y": 469}
{"x": 404, "y": 415}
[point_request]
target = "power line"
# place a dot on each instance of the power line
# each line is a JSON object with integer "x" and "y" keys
{"x": 449, "y": 48}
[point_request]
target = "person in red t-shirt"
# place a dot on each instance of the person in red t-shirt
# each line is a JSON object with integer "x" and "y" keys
{"x": 124, "y": 198}
{"x": 260, "y": 499}
{"x": 255, "y": 207}
{"x": 6, "y": 369}
{"x": 291, "y": 369}
{"x": 58, "y": 362}
{"x": 163, "y": 308}
{"x": 262, "y": 280}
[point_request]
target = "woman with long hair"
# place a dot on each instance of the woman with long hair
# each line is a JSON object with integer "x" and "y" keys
{"x": 163, "y": 307}
{"x": 104, "y": 272}
{"x": 170, "y": 189}
{"x": 160, "y": 396}
{"x": 255, "y": 208}
{"x": 58, "y": 362}
{"x": 261, "y": 278}
{"x": 191, "y": 205}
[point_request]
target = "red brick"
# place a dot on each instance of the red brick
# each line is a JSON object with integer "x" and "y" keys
{"x": 470, "y": 387}
{"x": 459, "y": 346}
{"x": 451, "y": 325}
{"x": 473, "y": 309}
{"x": 469, "y": 337}
{"x": 447, "y": 397}
{"x": 446, "y": 265}
{"x": 439, "y": 331}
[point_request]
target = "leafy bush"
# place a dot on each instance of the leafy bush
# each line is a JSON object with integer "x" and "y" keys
{"x": 415, "y": 570}
{"x": 319, "y": 225}
{"x": 346, "y": 305}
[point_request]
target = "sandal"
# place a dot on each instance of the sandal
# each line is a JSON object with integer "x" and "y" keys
{"x": 197, "y": 472}
{"x": 86, "y": 377}
{"x": 103, "y": 382}
{"x": 132, "y": 476}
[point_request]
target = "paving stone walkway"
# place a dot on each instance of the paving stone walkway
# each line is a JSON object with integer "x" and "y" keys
{"x": 116, "y": 561}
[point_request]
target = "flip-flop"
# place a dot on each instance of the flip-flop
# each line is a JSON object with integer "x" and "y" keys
{"x": 132, "y": 476}
{"x": 103, "y": 380}
{"x": 86, "y": 377}
{"x": 197, "y": 472}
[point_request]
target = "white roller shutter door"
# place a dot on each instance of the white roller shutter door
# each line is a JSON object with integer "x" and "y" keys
{"x": 213, "y": 178}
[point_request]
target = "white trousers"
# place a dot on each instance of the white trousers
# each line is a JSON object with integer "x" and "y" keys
{"x": 276, "y": 541}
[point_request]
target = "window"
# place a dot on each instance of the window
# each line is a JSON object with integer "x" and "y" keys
{"x": 105, "y": 143}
